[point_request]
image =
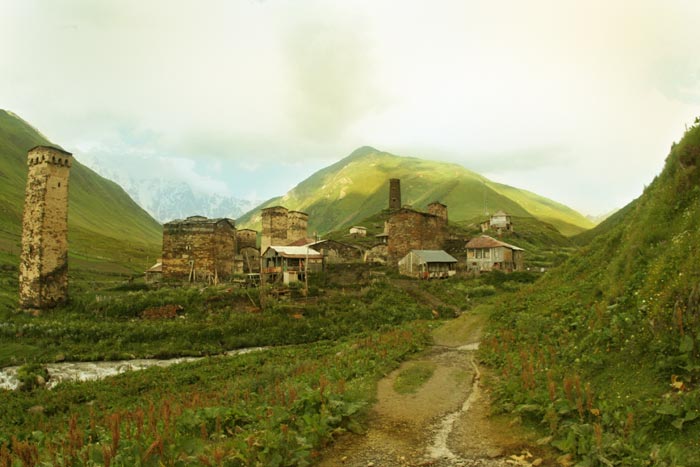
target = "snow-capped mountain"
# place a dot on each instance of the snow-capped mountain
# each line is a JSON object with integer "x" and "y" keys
{"x": 167, "y": 199}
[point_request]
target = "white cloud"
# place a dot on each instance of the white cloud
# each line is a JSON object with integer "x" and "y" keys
{"x": 557, "y": 97}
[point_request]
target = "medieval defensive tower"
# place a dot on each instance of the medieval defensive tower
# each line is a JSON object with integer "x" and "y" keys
{"x": 274, "y": 227}
{"x": 394, "y": 194}
{"x": 43, "y": 268}
{"x": 297, "y": 226}
{"x": 438, "y": 209}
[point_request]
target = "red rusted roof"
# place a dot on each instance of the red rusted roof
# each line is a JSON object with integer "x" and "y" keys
{"x": 489, "y": 242}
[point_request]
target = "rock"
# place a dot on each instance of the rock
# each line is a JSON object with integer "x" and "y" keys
{"x": 494, "y": 452}
{"x": 37, "y": 409}
{"x": 60, "y": 358}
{"x": 40, "y": 381}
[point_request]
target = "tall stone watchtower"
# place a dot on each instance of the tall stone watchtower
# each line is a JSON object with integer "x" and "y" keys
{"x": 43, "y": 269}
{"x": 394, "y": 194}
{"x": 297, "y": 226}
{"x": 274, "y": 227}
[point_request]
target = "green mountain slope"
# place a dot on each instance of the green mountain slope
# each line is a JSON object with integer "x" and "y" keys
{"x": 604, "y": 353}
{"x": 357, "y": 187}
{"x": 107, "y": 230}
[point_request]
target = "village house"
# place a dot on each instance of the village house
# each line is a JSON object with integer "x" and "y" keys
{"x": 247, "y": 258}
{"x": 154, "y": 274}
{"x": 499, "y": 221}
{"x": 290, "y": 263}
{"x": 358, "y": 231}
{"x": 334, "y": 251}
{"x": 487, "y": 254}
{"x": 408, "y": 229}
{"x": 199, "y": 249}
{"x": 428, "y": 264}
{"x": 377, "y": 254}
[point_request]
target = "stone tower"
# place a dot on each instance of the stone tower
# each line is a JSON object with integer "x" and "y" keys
{"x": 438, "y": 209}
{"x": 43, "y": 269}
{"x": 394, "y": 194}
{"x": 297, "y": 226}
{"x": 274, "y": 227}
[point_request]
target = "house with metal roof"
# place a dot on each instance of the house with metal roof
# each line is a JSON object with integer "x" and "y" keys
{"x": 428, "y": 264}
{"x": 290, "y": 263}
{"x": 487, "y": 254}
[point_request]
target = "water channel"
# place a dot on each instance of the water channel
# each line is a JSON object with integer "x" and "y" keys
{"x": 86, "y": 371}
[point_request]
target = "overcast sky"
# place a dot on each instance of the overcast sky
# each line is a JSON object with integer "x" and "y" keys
{"x": 576, "y": 100}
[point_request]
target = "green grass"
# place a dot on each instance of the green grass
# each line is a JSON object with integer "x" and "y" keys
{"x": 272, "y": 408}
{"x": 110, "y": 324}
{"x": 356, "y": 188}
{"x": 589, "y": 353}
{"x": 413, "y": 376}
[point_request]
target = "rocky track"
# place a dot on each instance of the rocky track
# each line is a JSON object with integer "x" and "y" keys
{"x": 444, "y": 423}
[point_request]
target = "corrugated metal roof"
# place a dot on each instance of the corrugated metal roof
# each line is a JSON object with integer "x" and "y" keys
{"x": 489, "y": 242}
{"x": 434, "y": 256}
{"x": 295, "y": 251}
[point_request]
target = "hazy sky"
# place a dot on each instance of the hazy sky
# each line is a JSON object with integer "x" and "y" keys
{"x": 575, "y": 100}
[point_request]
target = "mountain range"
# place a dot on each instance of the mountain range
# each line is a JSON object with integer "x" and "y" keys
{"x": 357, "y": 187}
{"x": 167, "y": 199}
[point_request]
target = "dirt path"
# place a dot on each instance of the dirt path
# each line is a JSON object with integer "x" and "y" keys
{"x": 444, "y": 422}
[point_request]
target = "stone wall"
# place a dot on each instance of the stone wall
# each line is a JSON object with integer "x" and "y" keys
{"x": 297, "y": 226}
{"x": 199, "y": 249}
{"x": 274, "y": 227}
{"x": 438, "y": 209}
{"x": 412, "y": 230}
{"x": 246, "y": 238}
{"x": 43, "y": 270}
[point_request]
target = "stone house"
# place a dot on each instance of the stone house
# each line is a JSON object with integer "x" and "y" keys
{"x": 154, "y": 274}
{"x": 358, "y": 231}
{"x": 290, "y": 263}
{"x": 428, "y": 264}
{"x": 334, "y": 251}
{"x": 499, "y": 221}
{"x": 247, "y": 258}
{"x": 376, "y": 254}
{"x": 408, "y": 230}
{"x": 199, "y": 249}
{"x": 487, "y": 254}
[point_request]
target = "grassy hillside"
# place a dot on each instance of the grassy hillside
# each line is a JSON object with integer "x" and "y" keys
{"x": 107, "y": 231}
{"x": 357, "y": 187}
{"x": 604, "y": 353}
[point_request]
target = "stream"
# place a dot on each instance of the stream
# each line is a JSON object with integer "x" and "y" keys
{"x": 86, "y": 371}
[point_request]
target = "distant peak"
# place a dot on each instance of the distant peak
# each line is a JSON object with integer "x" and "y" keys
{"x": 362, "y": 151}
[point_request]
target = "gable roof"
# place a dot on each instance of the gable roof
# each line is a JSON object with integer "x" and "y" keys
{"x": 499, "y": 214}
{"x": 302, "y": 242}
{"x": 202, "y": 220}
{"x": 434, "y": 256}
{"x": 489, "y": 242}
{"x": 295, "y": 252}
